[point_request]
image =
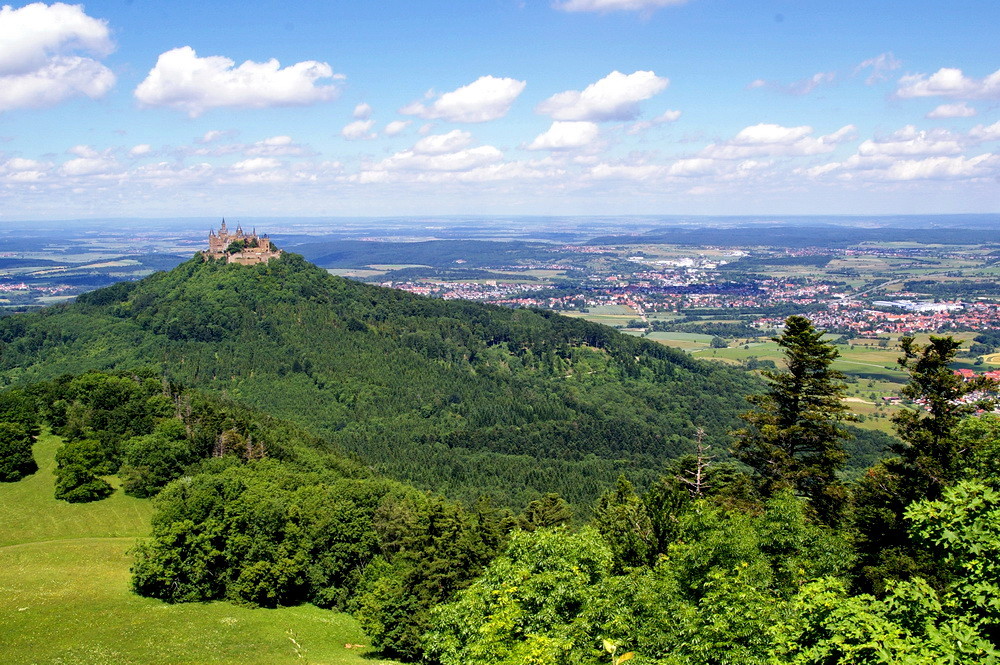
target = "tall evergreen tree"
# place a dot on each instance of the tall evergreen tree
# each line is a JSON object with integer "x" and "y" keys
{"x": 930, "y": 459}
{"x": 793, "y": 437}
{"x": 929, "y": 446}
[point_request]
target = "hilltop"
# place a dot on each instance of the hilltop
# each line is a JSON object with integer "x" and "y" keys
{"x": 456, "y": 396}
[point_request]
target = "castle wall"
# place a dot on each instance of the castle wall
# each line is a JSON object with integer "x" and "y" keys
{"x": 219, "y": 242}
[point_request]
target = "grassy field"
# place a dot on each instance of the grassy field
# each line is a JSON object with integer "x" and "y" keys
{"x": 64, "y": 596}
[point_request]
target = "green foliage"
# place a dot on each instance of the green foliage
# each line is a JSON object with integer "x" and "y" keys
{"x": 793, "y": 437}
{"x": 517, "y": 611}
{"x": 16, "y": 460}
{"x": 929, "y": 447}
{"x": 430, "y": 549}
{"x": 938, "y": 447}
{"x": 549, "y": 510}
{"x": 79, "y": 463}
{"x": 151, "y": 461}
{"x": 455, "y": 396}
{"x": 963, "y": 531}
{"x": 20, "y": 407}
{"x": 621, "y": 517}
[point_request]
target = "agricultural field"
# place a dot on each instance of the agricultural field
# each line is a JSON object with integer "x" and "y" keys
{"x": 65, "y": 598}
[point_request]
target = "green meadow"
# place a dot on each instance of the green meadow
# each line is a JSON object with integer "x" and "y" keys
{"x": 65, "y": 598}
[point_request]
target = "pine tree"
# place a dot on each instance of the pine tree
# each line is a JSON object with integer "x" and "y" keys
{"x": 793, "y": 437}
{"x": 929, "y": 447}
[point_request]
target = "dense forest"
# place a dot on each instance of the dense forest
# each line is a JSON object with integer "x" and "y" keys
{"x": 709, "y": 565}
{"x": 459, "y": 397}
{"x": 714, "y": 521}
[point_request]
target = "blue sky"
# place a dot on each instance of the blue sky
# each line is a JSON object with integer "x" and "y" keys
{"x": 505, "y": 107}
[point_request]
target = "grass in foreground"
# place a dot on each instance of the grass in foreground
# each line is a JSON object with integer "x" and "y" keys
{"x": 65, "y": 599}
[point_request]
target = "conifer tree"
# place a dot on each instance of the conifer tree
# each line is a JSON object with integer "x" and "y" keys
{"x": 929, "y": 446}
{"x": 793, "y": 438}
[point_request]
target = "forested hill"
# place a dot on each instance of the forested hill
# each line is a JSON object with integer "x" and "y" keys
{"x": 456, "y": 396}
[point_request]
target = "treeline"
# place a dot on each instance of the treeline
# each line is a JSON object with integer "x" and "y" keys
{"x": 733, "y": 330}
{"x": 951, "y": 290}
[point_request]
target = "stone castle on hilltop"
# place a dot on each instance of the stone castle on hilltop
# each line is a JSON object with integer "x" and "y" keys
{"x": 238, "y": 247}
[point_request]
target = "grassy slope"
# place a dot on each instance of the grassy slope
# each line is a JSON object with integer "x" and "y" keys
{"x": 64, "y": 594}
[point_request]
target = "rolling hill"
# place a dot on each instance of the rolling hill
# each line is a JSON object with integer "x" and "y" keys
{"x": 459, "y": 397}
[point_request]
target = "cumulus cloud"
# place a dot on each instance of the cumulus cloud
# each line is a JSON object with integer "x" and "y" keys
{"x": 777, "y": 141}
{"x": 256, "y": 164}
{"x": 912, "y": 154}
{"x": 183, "y": 81}
{"x": 880, "y": 67}
{"x": 959, "y": 110}
{"x": 614, "y": 97}
{"x": 359, "y": 130}
{"x": 275, "y": 146}
{"x": 662, "y": 119}
{"x": 438, "y": 144}
{"x": 140, "y": 150}
{"x": 797, "y": 88}
{"x": 637, "y": 172}
{"x": 40, "y": 61}
{"x": 910, "y": 141}
{"x": 615, "y": 5}
{"x": 949, "y": 82}
{"x": 362, "y": 111}
{"x": 396, "y": 127}
{"x": 943, "y": 168}
{"x": 566, "y": 136}
{"x": 461, "y": 160}
{"x": 214, "y": 135}
{"x": 982, "y": 134}
{"x": 487, "y": 98}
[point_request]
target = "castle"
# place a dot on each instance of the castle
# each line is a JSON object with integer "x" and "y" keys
{"x": 244, "y": 248}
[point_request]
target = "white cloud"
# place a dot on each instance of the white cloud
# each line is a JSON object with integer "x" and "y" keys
{"x": 615, "y": 5}
{"x": 694, "y": 166}
{"x": 777, "y": 141}
{"x": 437, "y": 144}
{"x": 362, "y": 111}
{"x": 214, "y": 135}
{"x": 614, "y": 97}
{"x": 662, "y": 119}
{"x": 942, "y": 168}
{"x": 909, "y": 141}
{"x": 797, "y": 88}
{"x": 40, "y": 65}
{"x": 275, "y": 146}
{"x": 83, "y": 151}
{"x": 183, "y": 81}
{"x": 257, "y": 164}
{"x": 87, "y": 166}
{"x": 982, "y": 134}
{"x": 140, "y": 150}
{"x": 959, "y": 110}
{"x": 462, "y": 160}
{"x": 565, "y": 136}
{"x": 22, "y": 164}
{"x": 359, "y": 130}
{"x": 396, "y": 127}
{"x": 880, "y": 65}
{"x": 487, "y": 98}
{"x": 637, "y": 172}
{"x": 949, "y": 82}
